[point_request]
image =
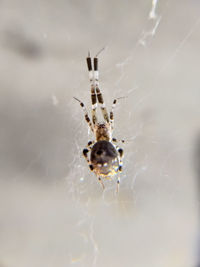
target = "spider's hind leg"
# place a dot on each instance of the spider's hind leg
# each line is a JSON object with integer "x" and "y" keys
{"x": 101, "y": 182}
{"x": 99, "y": 94}
{"x": 121, "y": 153}
{"x": 118, "y": 182}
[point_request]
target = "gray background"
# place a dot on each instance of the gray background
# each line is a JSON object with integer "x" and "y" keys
{"x": 52, "y": 209}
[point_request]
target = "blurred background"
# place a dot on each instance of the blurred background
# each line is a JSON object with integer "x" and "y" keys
{"x": 52, "y": 209}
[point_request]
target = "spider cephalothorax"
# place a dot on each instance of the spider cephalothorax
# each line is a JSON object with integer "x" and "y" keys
{"x": 102, "y": 131}
{"x": 105, "y": 157}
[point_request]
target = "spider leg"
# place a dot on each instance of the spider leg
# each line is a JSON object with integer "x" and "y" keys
{"x": 121, "y": 152}
{"x": 118, "y": 182}
{"x": 86, "y": 114}
{"x": 93, "y": 92}
{"x": 90, "y": 144}
{"x": 98, "y": 92}
{"x": 112, "y": 114}
{"x": 114, "y": 140}
{"x": 85, "y": 154}
{"x": 100, "y": 180}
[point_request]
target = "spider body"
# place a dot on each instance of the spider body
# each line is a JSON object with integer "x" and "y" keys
{"x": 105, "y": 158}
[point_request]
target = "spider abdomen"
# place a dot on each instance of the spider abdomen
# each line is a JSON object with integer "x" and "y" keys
{"x": 104, "y": 158}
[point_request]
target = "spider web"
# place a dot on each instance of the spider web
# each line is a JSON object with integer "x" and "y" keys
{"x": 143, "y": 164}
{"x": 53, "y": 211}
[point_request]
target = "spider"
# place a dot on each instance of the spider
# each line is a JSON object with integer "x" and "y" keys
{"x": 105, "y": 156}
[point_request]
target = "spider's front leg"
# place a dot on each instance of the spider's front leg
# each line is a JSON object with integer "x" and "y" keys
{"x": 87, "y": 118}
{"x": 112, "y": 112}
{"x": 98, "y": 92}
{"x": 93, "y": 91}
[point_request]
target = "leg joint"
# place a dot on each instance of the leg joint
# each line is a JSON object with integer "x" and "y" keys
{"x": 120, "y": 150}
{"x": 120, "y": 168}
{"x": 85, "y": 151}
{"x": 91, "y": 167}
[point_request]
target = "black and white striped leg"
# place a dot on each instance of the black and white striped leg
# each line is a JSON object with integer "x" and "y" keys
{"x": 101, "y": 182}
{"x": 86, "y": 114}
{"x": 93, "y": 92}
{"x": 90, "y": 144}
{"x": 99, "y": 94}
{"x": 121, "y": 153}
{"x": 112, "y": 114}
{"x": 85, "y": 154}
